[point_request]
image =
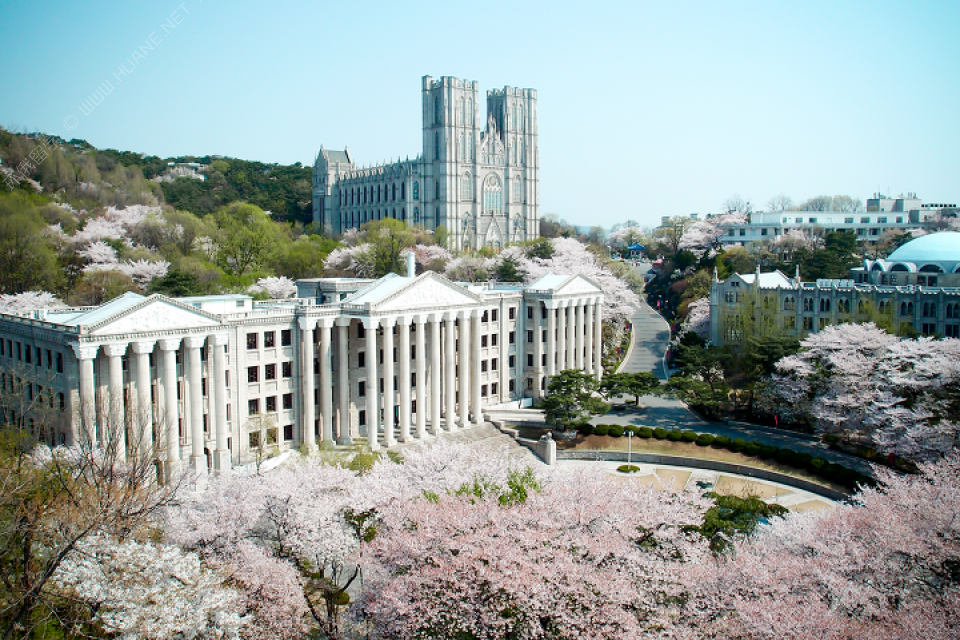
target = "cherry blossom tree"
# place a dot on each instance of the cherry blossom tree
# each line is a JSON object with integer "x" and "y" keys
{"x": 882, "y": 566}
{"x": 428, "y": 256}
{"x": 276, "y": 288}
{"x": 704, "y": 235}
{"x": 28, "y": 301}
{"x": 144, "y": 271}
{"x": 583, "y": 557}
{"x": 898, "y": 394}
{"x": 148, "y": 590}
{"x": 99, "y": 255}
{"x": 697, "y": 320}
{"x": 626, "y": 236}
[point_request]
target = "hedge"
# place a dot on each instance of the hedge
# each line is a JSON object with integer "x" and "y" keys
{"x": 614, "y": 430}
{"x": 688, "y": 436}
{"x": 585, "y": 429}
{"x": 674, "y": 435}
{"x": 721, "y": 442}
{"x": 644, "y": 432}
{"x": 628, "y": 468}
{"x": 659, "y": 433}
{"x": 601, "y": 430}
{"x": 705, "y": 440}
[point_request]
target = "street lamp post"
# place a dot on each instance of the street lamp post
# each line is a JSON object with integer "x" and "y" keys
{"x": 629, "y": 446}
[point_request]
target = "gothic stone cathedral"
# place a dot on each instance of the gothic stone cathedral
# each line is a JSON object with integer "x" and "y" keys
{"x": 481, "y": 184}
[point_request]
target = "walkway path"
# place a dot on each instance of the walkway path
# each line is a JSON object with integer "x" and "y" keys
{"x": 651, "y": 337}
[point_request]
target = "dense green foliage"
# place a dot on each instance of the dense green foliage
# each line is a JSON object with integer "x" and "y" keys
{"x": 733, "y": 517}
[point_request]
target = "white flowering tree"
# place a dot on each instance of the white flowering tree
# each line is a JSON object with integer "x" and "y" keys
{"x": 697, "y": 320}
{"x": 276, "y": 288}
{"x": 28, "y": 301}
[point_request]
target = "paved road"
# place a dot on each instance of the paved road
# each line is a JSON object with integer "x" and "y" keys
{"x": 650, "y": 340}
{"x": 651, "y": 335}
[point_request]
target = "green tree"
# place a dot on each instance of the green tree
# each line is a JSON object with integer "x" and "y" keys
{"x": 28, "y": 261}
{"x": 177, "y": 284}
{"x": 247, "y": 238}
{"x": 635, "y": 384}
{"x": 304, "y": 257}
{"x": 570, "y": 400}
{"x": 96, "y": 287}
{"x": 387, "y": 238}
{"x": 733, "y": 517}
{"x": 508, "y": 270}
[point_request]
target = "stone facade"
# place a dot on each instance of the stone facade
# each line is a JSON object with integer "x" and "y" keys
{"x": 477, "y": 178}
{"x": 215, "y": 381}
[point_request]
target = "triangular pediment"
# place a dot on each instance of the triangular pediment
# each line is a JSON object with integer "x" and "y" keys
{"x": 156, "y": 313}
{"x": 428, "y": 291}
{"x": 578, "y": 285}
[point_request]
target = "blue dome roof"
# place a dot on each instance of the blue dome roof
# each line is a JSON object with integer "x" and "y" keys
{"x": 934, "y": 247}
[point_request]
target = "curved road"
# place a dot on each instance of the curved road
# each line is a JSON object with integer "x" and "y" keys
{"x": 651, "y": 337}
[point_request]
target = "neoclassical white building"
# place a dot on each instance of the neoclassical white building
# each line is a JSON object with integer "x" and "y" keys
{"x": 482, "y": 184}
{"x": 214, "y": 381}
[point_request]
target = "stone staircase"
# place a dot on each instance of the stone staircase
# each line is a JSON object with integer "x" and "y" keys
{"x": 484, "y": 437}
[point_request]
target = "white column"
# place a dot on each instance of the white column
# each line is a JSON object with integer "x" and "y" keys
{"x": 142, "y": 412}
{"x": 571, "y": 335}
{"x": 504, "y": 354}
{"x": 598, "y": 339}
{"x": 403, "y": 379}
{"x": 219, "y": 399}
{"x": 343, "y": 380}
{"x": 115, "y": 437}
{"x": 435, "y": 395}
{"x": 475, "y": 377}
{"x": 389, "y": 426}
{"x": 551, "y": 340}
{"x": 421, "y": 379}
{"x": 198, "y": 460}
{"x": 463, "y": 353}
{"x": 307, "y": 384}
{"x": 562, "y": 336}
{"x": 326, "y": 380}
{"x": 449, "y": 366}
{"x": 171, "y": 406}
{"x": 578, "y": 332}
{"x": 538, "y": 371}
{"x": 370, "y": 326}
{"x": 588, "y": 318}
{"x": 85, "y": 434}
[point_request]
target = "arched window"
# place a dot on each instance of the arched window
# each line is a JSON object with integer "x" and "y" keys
{"x": 466, "y": 187}
{"x": 492, "y": 196}
{"x": 461, "y": 110}
{"x": 861, "y": 307}
{"x": 403, "y": 213}
{"x": 437, "y": 109}
{"x": 394, "y": 192}
{"x": 416, "y": 212}
{"x": 436, "y": 190}
{"x": 436, "y": 145}
{"x": 517, "y": 190}
{"x": 416, "y": 190}
{"x": 520, "y": 116}
{"x": 403, "y": 190}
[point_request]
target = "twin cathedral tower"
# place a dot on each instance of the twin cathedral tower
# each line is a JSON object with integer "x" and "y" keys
{"x": 479, "y": 179}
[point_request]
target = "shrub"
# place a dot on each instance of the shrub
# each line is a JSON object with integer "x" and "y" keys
{"x": 737, "y": 445}
{"x": 721, "y": 442}
{"x": 816, "y": 465}
{"x": 674, "y": 435}
{"x": 628, "y": 468}
{"x": 688, "y": 436}
{"x": 659, "y": 433}
{"x": 802, "y": 460}
{"x": 601, "y": 430}
{"x": 585, "y": 429}
{"x": 705, "y": 440}
{"x": 630, "y": 429}
{"x": 644, "y": 432}
{"x": 614, "y": 430}
{"x": 786, "y": 456}
{"x": 751, "y": 449}
{"x": 769, "y": 451}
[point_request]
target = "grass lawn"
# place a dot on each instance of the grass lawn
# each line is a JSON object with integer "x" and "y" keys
{"x": 686, "y": 449}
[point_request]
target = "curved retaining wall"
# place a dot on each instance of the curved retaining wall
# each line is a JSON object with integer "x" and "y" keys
{"x": 712, "y": 465}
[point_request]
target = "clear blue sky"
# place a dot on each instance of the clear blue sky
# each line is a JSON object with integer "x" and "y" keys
{"x": 645, "y": 108}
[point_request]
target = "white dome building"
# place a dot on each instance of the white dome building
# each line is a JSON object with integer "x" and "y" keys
{"x": 932, "y": 260}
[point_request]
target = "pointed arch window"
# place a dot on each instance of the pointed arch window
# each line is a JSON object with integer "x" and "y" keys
{"x": 517, "y": 190}
{"x": 416, "y": 213}
{"x": 492, "y": 195}
{"x": 436, "y": 145}
{"x": 466, "y": 187}
{"x": 416, "y": 190}
{"x": 437, "y": 109}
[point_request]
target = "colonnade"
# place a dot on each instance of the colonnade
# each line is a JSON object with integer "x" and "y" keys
{"x": 574, "y": 336}
{"x": 126, "y": 426}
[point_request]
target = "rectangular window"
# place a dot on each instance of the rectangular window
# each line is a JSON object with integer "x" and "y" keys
{"x": 362, "y": 389}
{"x": 287, "y": 369}
{"x": 493, "y": 339}
{"x": 865, "y": 220}
{"x": 512, "y": 362}
{"x": 363, "y": 418}
{"x": 288, "y": 432}
{"x": 29, "y": 355}
{"x": 493, "y": 389}
{"x": 253, "y": 374}
{"x": 271, "y": 404}
{"x": 269, "y": 339}
{"x": 493, "y": 315}
{"x": 529, "y": 312}
{"x": 493, "y": 364}
{"x": 899, "y": 219}
{"x": 270, "y": 372}
{"x": 50, "y": 358}
{"x": 882, "y": 220}
{"x": 512, "y": 338}
{"x": 251, "y": 341}
{"x": 483, "y": 390}
{"x": 529, "y": 336}
{"x": 799, "y": 220}
{"x": 513, "y": 386}
{"x": 813, "y": 220}
{"x": 253, "y": 406}
{"x": 529, "y": 359}
{"x": 286, "y": 338}
{"x": 360, "y": 331}
{"x": 361, "y": 359}
{"x": 288, "y": 401}
{"x": 848, "y": 220}
{"x": 512, "y": 313}
{"x": 254, "y": 439}
{"x": 483, "y": 366}
{"x": 483, "y": 340}
{"x": 485, "y": 317}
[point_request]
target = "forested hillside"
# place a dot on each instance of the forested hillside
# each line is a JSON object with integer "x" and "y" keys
{"x": 87, "y": 176}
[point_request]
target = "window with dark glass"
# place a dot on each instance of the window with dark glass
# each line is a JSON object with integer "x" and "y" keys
{"x": 288, "y": 401}
{"x": 251, "y": 341}
{"x": 253, "y": 374}
{"x": 269, "y": 339}
{"x": 286, "y": 338}
{"x": 287, "y": 369}
{"x": 270, "y": 372}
